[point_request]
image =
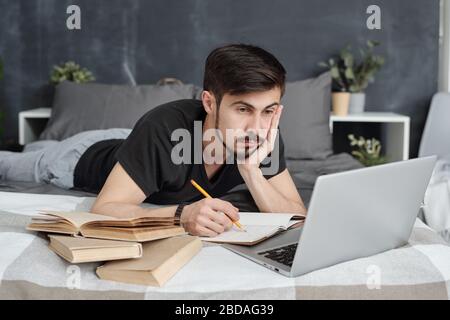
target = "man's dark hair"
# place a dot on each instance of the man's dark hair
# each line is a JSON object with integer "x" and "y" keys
{"x": 241, "y": 68}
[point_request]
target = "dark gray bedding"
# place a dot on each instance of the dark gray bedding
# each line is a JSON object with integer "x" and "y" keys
{"x": 42, "y": 188}
{"x": 304, "y": 174}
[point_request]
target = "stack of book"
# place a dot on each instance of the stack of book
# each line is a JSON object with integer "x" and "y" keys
{"x": 151, "y": 249}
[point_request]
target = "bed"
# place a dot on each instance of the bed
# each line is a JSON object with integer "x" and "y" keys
{"x": 29, "y": 270}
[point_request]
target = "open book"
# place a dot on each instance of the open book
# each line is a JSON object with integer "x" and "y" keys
{"x": 90, "y": 225}
{"x": 258, "y": 227}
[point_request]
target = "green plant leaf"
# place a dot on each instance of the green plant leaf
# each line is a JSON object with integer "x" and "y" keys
{"x": 70, "y": 71}
{"x": 348, "y": 60}
{"x": 335, "y": 73}
{"x": 372, "y": 43}
{"x": 354, "y": 88}
{"x": 367, "y": 151}
{"x": 349, "y": 73}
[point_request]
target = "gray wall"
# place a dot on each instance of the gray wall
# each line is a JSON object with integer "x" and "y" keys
{"x": 161, "y": 38}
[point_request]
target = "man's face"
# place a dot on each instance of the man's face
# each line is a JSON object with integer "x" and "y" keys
{"x": 248, "y": 118}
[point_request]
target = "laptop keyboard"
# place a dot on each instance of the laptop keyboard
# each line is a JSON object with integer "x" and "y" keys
{"x": 284, "y": 255}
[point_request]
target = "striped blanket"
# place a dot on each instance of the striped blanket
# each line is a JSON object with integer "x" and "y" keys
{"x": 29, "y": 270}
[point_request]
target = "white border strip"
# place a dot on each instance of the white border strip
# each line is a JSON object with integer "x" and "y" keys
{"x": 444, "y": 46}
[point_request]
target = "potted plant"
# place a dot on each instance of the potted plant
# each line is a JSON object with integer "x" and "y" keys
{"x": 368, "y": 151}
{"x": 350, "y": 79}
{"x": 72, "y": 72}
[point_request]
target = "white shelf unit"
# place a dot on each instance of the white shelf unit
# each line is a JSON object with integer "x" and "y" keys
{"x": 32, "y": 123}
{"x": 396, "y": 126}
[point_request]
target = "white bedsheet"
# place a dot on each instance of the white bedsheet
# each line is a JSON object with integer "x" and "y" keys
{"x": 437, "y": 198}
{"x": 406, "y": 272}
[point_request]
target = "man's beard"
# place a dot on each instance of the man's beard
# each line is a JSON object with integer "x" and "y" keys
{"x": 248, "y": 151}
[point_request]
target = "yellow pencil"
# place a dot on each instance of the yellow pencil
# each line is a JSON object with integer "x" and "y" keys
{"x": 206, "y": 194}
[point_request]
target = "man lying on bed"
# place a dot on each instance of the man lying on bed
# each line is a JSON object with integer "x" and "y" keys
{"x": 243, "y": 86}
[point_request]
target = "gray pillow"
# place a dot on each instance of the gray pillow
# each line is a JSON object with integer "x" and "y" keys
{"x": 81, "y": 107}
{"x": 304, "y": 123}
{"x": 198, "y": 92}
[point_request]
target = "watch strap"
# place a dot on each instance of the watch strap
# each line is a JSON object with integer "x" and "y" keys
{"x": 178, "y": 212}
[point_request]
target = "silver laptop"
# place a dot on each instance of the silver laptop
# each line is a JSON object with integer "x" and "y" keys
{"x": 352, "y": 214}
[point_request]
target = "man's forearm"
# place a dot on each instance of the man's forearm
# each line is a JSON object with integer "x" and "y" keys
{"x": 267, "y": 198}
{"x": 125, "y": 210}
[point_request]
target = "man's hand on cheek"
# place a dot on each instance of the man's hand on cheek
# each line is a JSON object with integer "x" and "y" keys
{"x": 208, "y": 217}
{"x": 255, "y": 159}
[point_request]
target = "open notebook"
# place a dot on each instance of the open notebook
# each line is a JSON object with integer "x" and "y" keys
{"x": 258, "y": 227}
{"x": 91, "y": 225}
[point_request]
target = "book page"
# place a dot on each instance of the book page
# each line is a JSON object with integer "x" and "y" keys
{"x": 77, "y": 243}
{"x": 235, "y": 235}
{"x": 257, "y": 226}
{"x": 77, "y": 218}
{"x": 265, "y": 219}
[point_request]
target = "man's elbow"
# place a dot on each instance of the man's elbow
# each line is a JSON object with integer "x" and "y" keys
{"x": 300, "y": 208}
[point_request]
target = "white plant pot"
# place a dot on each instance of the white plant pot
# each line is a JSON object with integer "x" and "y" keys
{"x": 357, "y": 102}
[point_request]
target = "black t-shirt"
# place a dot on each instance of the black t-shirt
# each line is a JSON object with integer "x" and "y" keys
{"x": 146, "y": 156}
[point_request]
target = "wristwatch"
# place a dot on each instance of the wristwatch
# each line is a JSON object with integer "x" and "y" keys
{"x": 178, "y": 212}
